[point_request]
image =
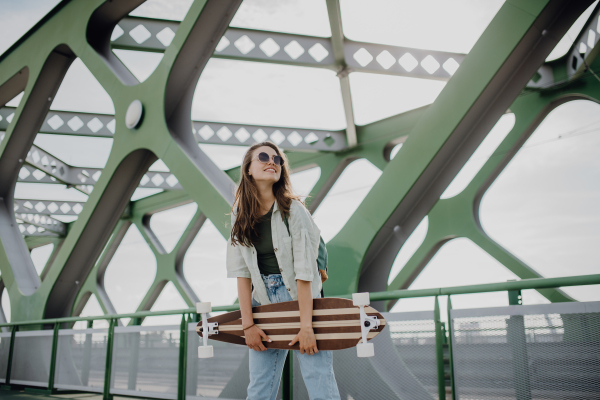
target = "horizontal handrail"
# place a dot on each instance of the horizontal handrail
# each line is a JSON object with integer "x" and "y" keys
{"x": 534, "y": 283}
{"x": 139, "y": 314}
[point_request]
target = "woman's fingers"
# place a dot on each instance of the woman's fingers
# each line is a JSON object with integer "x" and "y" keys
{"x": 257, "y": 346}
{"x": 253, "y": 338}
{"x": 295, "y": 340}
{"x": 310, "y": 348}
{"x": 264, "y": 335}
{"x": 308, "y": 342}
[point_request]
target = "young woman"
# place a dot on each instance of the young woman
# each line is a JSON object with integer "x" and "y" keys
{"x": 282, "y": 266}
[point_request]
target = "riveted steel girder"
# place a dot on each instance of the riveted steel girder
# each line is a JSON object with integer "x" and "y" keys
{"x": 337, "y": 44}
{"x": 102, "y": 125}
{"x": 337, "y": 53}
{"x": 586, "y": 47}
{"x": 48, "y": 169}
{"x": 287, "y": 138}
{"x": 48, "y": 207}
{"x": 41, "y": 221}
{"x": 438, "y": 139}
{"x": 43, "y": 167}
{"x": 71, "y": 123}
{"x": 160, "y": 135}
{"x": 459, "y": 217}
{"x": 491, "y": 76}
{"x": 576, "y": 62}
{"x": 36, "y": 229}
{"x": 146, "y": 34}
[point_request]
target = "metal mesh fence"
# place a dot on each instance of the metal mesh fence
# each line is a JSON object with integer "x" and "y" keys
{"x": 4, "y": 348}
{"x": 404, "y": 366}
{"x": 225, "y": 376}
{"x": 549, "y": 351}
{"x": 81, "y": 359}
{"x": 31, "y": 358}
{"x": 413, "y": 335}
{"x": 145, "y": 361}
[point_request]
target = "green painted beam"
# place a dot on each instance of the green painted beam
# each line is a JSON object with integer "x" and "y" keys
{"x": 459, "y": 216}
{"x": 489, "y": 79}
{"x": 438, "y": 140}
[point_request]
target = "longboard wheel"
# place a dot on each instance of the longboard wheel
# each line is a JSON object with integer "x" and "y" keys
{"x": 203, "y": 308}
{"x": 365, "y": 350}
{"x": 205, "y": 351}
{"x": 361, "y": 299}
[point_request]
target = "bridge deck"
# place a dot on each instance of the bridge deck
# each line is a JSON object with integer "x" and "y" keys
{"x": 22, "y": 395}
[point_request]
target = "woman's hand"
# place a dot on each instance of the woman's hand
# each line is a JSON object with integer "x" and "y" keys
{"x": 254, "y": 336}
{"x": 306, "y": 336}
{"x": 308, "y": 341}
{"x": 323, "y": 274}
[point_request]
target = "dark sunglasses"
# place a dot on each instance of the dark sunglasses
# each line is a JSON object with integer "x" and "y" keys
{"x": 264, "y": 158}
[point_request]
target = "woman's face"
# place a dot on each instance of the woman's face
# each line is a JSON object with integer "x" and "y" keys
{"x": 267, "y": 172}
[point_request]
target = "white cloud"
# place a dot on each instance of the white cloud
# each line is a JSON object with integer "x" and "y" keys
{"x": 375, "y": 96}
{"x": 268, "y": 94}
{"x": 303, "y": 17}
{"x": 442, "y": 25}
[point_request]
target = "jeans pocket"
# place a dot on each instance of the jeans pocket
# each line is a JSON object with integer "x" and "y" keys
{"x": 283, "y": 294}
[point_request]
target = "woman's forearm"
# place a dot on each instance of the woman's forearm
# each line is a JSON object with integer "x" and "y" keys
{"x": 305, "y": 302}
{"x": 245, "y": 298}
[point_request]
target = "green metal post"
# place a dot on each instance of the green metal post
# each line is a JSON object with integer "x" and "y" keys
{"x": 193, "y": 372}
{"x": 514, "y": 298}
{"x": 185, "y": 355}
{"x": 134, "y": 342}
{"x": 108, "y": 368}
{"x": 287, "y": 384}
{"x": 439, "y": 350}
{"x": 53, "y": 358}
{"x": 517, "y": 340}
{"x": 11, "y": 349}
{"x": 87, "y": 356}
{"x": 182, "y": 359}
{"x": 515, "y": 329}
{"x": 450, "y": 355}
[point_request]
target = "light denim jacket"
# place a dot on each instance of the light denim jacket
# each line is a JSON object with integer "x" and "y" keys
{"x": 296, "y": 255}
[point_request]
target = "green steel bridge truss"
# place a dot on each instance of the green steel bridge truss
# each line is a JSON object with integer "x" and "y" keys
{"x": 504, "y": 70}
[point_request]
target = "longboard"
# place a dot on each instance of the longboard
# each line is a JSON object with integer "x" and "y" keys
{"x": 337, "y": 323}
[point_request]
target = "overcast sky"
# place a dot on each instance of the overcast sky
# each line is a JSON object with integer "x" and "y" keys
{"x": 544, "y": 207}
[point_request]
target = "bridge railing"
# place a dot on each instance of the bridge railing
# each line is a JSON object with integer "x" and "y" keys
{"x": 80, "y": 344}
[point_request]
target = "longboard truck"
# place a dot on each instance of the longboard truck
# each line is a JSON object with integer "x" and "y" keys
{"x": 208, "y": 328}
{"x": 367, "y": 323}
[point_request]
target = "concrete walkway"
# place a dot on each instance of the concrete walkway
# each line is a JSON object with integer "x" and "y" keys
{"x": 21, "y": 395}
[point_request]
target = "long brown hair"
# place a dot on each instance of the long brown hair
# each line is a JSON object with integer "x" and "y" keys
{"x": 247, "y": 203}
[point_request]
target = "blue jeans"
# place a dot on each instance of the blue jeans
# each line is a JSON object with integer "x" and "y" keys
{"x": 266, "y": 366}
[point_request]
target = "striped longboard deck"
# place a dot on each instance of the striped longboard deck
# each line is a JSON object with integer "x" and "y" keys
{"x": 336, "y": 323}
